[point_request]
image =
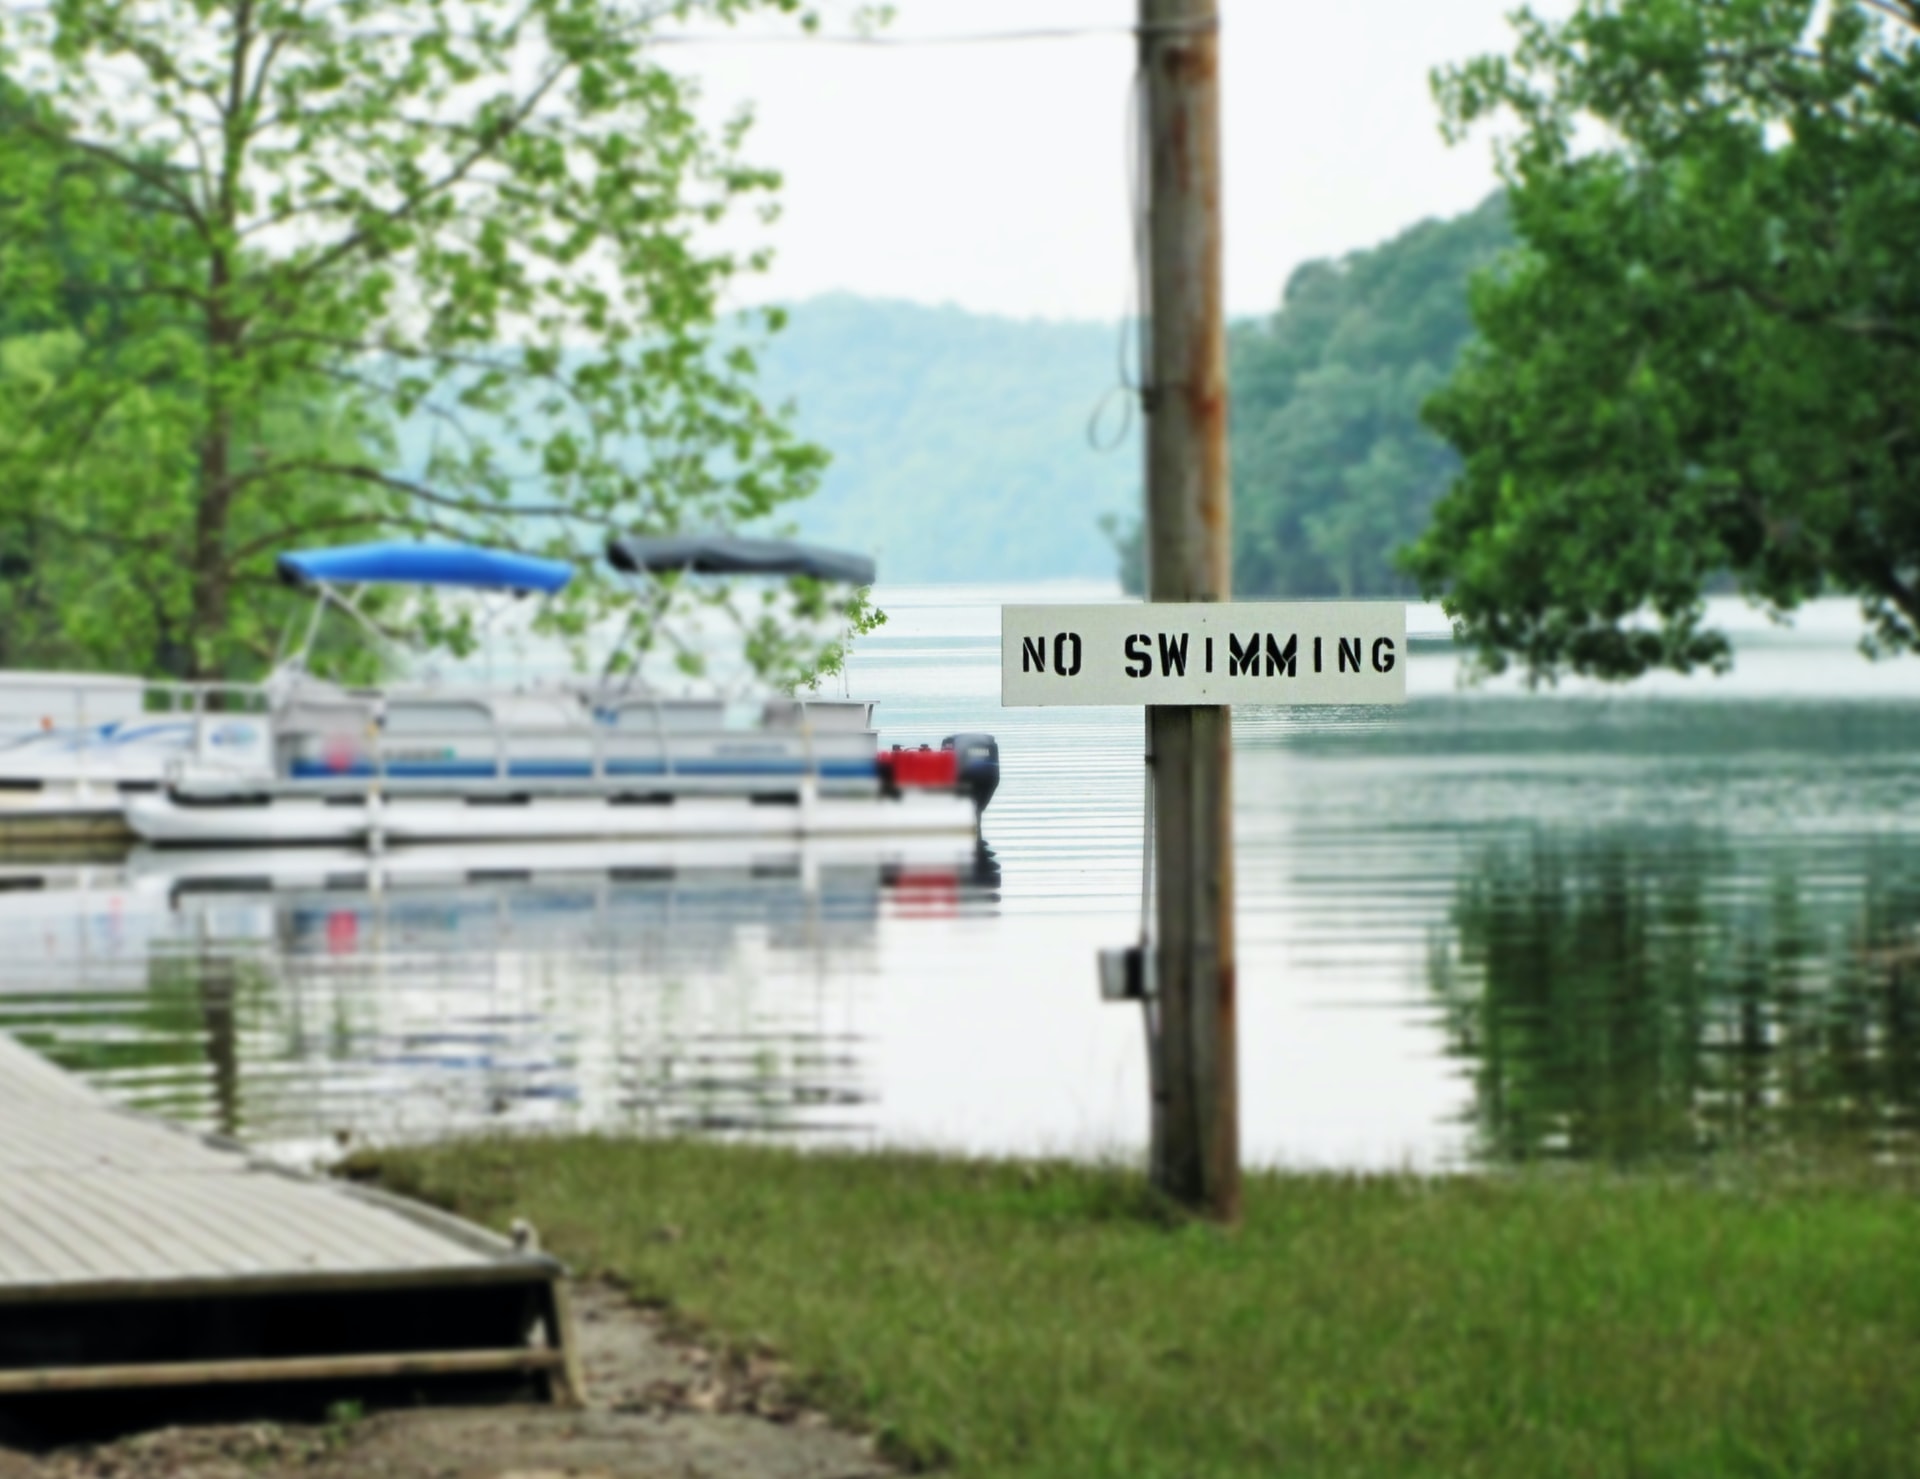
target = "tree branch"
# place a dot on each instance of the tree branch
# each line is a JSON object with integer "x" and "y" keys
{"x": 258, "y": 87}
{"x": 454, "y": 175}
{"x": 1907, "y": 15}
{"x": 397, "y": 351}
{"x": 161, "y": 68}
{"x": 362, "y": 472}
{"x": 148, "y": 174}
{"x": 1857, "y": 326}
{"x": 233, "y": 130}
{"x": 245, "y": 552}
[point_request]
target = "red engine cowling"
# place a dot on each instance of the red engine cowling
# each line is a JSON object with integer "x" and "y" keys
{"x": 924, "y": 769}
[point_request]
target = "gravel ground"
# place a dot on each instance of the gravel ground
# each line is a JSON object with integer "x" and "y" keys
{"x": 656, "y": 1409}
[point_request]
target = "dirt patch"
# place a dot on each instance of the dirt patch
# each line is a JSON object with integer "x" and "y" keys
{"x": 656, "y": 1409}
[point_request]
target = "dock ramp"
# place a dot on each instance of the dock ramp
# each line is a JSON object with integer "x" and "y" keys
{"x": 137, "y": 1255}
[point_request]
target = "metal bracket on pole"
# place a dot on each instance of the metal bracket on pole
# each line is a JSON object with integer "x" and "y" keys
{"x": 1126, "y": 973}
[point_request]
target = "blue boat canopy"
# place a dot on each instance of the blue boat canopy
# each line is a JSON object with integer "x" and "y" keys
{"x": 425, "y": 564}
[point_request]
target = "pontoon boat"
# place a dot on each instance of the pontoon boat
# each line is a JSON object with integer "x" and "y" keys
{"x": 603, "y": 759}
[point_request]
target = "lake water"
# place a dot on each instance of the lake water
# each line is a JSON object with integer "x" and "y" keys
{"x": 1489, "y": 927}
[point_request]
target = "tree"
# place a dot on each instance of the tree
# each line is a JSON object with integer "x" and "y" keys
{"x": 491, "y": 216}
{"x": 94, "y": 485}
{"x": 1703, "y": 362}
{"x": 90, "y": 507}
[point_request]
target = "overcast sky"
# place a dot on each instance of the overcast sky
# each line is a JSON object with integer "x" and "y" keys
{"x": 993, "y": 176}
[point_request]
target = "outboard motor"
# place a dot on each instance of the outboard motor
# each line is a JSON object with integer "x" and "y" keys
{"x": 977, "y": 761}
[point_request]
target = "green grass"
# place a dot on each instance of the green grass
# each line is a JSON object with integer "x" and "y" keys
{"x": 1012, "y": 1319}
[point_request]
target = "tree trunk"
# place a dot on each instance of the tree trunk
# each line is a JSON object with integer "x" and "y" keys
{"x": 208, "y": 557}
{"x": 211, "y": 588}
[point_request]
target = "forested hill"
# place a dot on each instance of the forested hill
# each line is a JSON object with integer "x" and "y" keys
{"x": 959, "y": 442}
{"x": 1333, "y": 470}
{"x": 960, "y": 447}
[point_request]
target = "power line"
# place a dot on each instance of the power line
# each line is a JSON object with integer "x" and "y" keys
{"x": 955, "y": 38}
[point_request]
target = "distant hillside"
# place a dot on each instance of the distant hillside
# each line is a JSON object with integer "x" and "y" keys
{"x": 960, "y": 447}
{"x": 1333, "y": 469}
{"x": 959, "y": 441}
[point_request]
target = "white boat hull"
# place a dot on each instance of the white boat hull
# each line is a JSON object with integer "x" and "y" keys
{"x": 60, "y": 800}
{"x": 73, "y": 745}
{"x": 404, "y": 820}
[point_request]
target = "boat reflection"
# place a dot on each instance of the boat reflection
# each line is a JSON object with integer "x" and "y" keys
{"x": 308, "y": 1000}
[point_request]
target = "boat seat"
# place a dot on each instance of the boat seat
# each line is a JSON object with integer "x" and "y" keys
{"x": 438, "y": 716}
{"x": 676, "y": 714}
{"x": 822, "y": 716}
{"x": 323, "y": 715}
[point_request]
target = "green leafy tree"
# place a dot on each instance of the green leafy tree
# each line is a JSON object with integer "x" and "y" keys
{"x": 89, "y": 501}
{"x": 278, "y": 231}
{"x": 1703, "y": 362}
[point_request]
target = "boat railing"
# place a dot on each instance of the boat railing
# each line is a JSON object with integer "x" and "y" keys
{"x": 84, "y": 713}
{"x": 601, "y": 738}
{"x": 210, "y": 704}
{"x": 85, "y": 700}
{"x": 498, "y": 735}
{"x": 197, "y": 697}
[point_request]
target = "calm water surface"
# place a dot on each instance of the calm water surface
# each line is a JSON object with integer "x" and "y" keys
{"x": 1491, "y": 927}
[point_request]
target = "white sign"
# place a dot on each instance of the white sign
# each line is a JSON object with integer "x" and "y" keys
{"x": 1245, "y": 652}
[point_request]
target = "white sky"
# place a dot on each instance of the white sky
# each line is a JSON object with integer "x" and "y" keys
{"x": 993, "y": 176}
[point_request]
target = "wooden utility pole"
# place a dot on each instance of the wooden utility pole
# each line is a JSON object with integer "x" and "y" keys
{"x": 1196, "y": 1120}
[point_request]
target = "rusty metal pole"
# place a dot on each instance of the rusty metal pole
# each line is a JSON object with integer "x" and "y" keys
{"x": 1196, "y": 1122}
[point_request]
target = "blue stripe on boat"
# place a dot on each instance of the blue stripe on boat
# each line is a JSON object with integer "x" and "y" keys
{"x": 578, "y": 769}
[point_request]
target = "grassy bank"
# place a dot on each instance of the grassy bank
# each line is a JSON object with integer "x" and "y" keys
{"x": 1046, "y": 1320}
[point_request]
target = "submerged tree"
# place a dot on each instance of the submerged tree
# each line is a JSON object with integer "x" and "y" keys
{"x": 1703, "y": 362}
{"x": 308, "y": 272}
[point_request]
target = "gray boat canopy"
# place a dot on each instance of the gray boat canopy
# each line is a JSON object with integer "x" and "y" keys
{"x": 719, "y": 554}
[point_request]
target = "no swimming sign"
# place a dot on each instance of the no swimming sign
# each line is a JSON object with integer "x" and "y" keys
{"x": 1248, "y": 652}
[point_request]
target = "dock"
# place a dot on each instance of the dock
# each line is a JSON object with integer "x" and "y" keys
{"x": 30, "y": 822}
{"x": 136, "y": 1255}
